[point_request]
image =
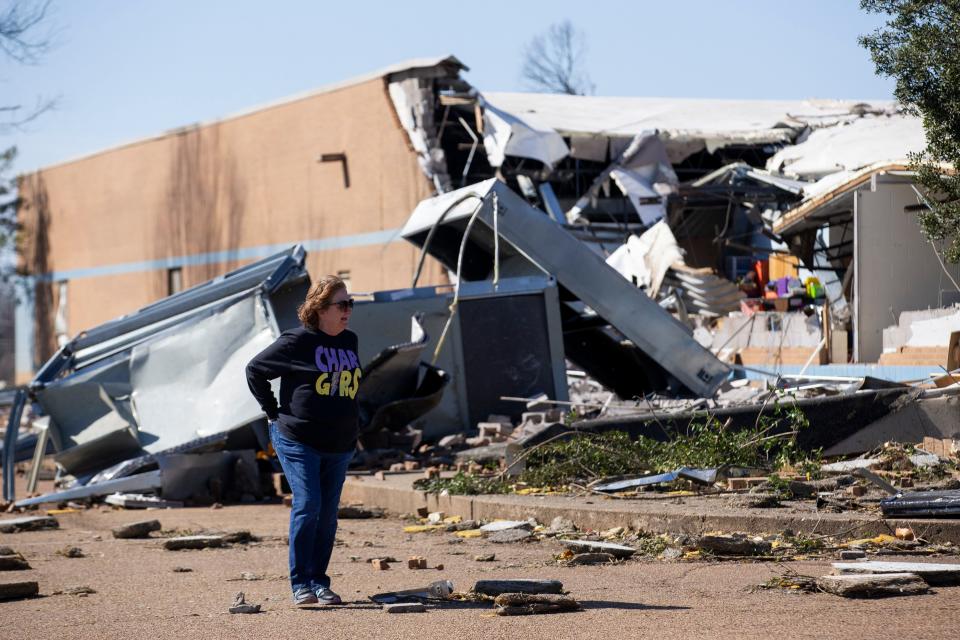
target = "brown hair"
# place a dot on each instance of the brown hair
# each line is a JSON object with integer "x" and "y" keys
{"x": 318, "y": 297}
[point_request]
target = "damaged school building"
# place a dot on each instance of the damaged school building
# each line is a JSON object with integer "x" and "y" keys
{"x": 679, "y": 255}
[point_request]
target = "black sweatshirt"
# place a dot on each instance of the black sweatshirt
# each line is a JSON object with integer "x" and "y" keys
{"x": 319, "y": 377}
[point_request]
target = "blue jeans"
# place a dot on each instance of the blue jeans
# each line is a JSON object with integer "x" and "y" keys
{"x": 316, "y": 479}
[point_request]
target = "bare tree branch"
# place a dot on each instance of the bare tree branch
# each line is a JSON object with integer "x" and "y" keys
{"x": 18, "y": 24}
{"x": 553, "y": 61}
{"x": 22, "y": 41}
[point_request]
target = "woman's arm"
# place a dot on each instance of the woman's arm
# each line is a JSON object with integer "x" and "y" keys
{"x": 270, "y": 363}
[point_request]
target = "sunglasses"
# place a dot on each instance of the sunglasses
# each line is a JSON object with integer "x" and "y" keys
{"x": 343, "y": 305}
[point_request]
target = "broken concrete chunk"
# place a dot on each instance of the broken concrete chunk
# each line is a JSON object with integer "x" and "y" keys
{"x": 416, "y": 562}
{"x": 486, "y": 557}
{"x": 240, "y": 605}
{"x": 139, "y": 529}
{"x": 935, "y": 573}
{"x": 404, "y": 607}
{"x": 616, "y": 550}
{"x": 590, "y": 558}
{"x": 6, "y": 551}
{"x": 31, "y": 523}
{"x": 872, "y": 586}
{"x": 465, "y": 525}
{"x": 14, "y": 562}
{"x": 733, "y": 545}
{"x": 503, "y": 525}
{"x": 81, "y": 591}
{"x": 510, "y": 535}
{"x": 482, "y": 452}
{"x": 17, "y": 590}
{"x": 497, "y": 587}
{"x": 379, "y": 564}
{"x": 521, "y": 604}
{"x": 561, "y": 524}
{"x": 192, "y": 542}
{"x": 671, "y": 553}
{"x": 70, "y": 552}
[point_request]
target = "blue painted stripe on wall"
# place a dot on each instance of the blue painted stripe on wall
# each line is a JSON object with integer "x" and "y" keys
{"x": 248, "y": 253}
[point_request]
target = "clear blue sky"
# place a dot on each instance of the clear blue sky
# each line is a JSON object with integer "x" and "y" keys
{"x": 129, "y": 69}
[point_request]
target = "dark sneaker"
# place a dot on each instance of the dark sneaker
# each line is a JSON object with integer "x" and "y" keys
{"x": 304, "y": 595}
{"x": 326, "y": 596}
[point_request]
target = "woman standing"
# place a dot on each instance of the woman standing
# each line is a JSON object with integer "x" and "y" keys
{"x": 314, "y": 427}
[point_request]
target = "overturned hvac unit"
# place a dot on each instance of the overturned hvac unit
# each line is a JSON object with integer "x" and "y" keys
{"x": 493, "y": 239}
{"x": 158, "y": 400}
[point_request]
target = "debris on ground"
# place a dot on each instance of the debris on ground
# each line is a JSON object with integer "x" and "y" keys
{"x": 404, "y": 607}
{"x": 140, "y": 529}
{"x": 933, "y": 504}
{"x": 18, "y": 590}
{"x": 193, "y": 542}
{"x": 562, "y": 525}
{"x": 437, "y": 590}
{"x": 139, "y": 501}
{"x": 486, "y": 557}
{"x": 13, "y": 561}
{"x": 505, "y": 525}
{"x": 29, "y": 523}
{"x": 521, "y": 604}
{"x": 590, "y": 558}
{"x": 596, "y": 546}
{"x": 934, "y": 573}
{"x": 239, "y": 537}
{"x": 509, "y": 535}
{"x": 81, "y": 592}
{"x": 240, "y": 605}
{"x": 873, "y": 586}
{"x": 733, "y": 545}
{"x": 359, "y": 512}
{"x": 70, "y": 552}
{"x": 248, "y": 576}
{"x": 497, "y": 587}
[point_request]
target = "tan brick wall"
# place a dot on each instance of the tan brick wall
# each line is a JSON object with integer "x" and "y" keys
{"x": 247, "y": 181}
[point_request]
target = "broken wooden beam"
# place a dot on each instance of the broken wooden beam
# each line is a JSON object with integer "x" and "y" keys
{"x": 497, "y": 587}
{"x": 17, "y": 590}
{"x": 192, "y": 542}
{"x": 14, "y": 562}
{"x": 523, "y": 604}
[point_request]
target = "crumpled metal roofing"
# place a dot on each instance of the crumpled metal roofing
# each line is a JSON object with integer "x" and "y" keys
{"x": 714, "y": 121}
